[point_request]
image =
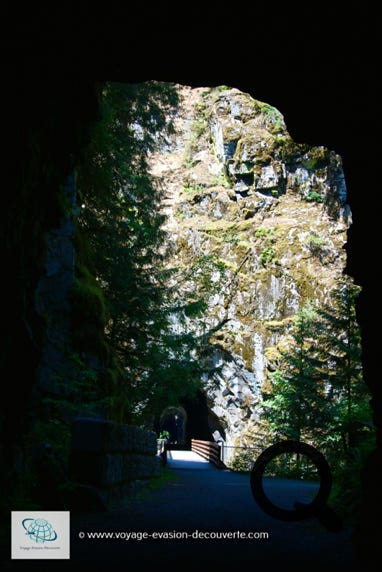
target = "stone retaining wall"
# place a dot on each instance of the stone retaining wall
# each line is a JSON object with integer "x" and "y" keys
{"x": 112, "y": 457}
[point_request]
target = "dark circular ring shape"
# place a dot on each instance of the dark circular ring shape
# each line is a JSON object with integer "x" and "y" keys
{"x": 301, "y": 511}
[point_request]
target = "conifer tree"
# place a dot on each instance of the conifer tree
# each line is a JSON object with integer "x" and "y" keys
{"x": 298, "y": 406}
{"x": 122, "y": 222}
{"x": 318, "y": 392}
{"x": 340, "y": 347}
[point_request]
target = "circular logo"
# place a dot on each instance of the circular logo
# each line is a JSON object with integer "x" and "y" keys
{"x": 39, "y": 530}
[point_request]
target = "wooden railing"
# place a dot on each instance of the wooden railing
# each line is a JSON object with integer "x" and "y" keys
{"x": 208, "y": 450}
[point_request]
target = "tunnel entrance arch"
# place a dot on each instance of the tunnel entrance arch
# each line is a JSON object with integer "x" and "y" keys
{"x": 173, "y": 420}
{"x": 191, "y": 419}
{"x": 202, "y": 423}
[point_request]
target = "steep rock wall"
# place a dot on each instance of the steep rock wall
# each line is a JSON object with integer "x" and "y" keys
{"x": 257, "y": 224}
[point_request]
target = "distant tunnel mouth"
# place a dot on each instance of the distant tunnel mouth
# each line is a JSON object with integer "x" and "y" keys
{"x": 193, "y": 419}
{"x": 173, "y": 425}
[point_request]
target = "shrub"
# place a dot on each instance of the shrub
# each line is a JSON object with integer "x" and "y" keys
{"x": 314, "y": 197}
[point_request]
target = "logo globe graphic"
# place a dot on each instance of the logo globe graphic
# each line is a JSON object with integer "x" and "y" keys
{"x": 39, "y": 530}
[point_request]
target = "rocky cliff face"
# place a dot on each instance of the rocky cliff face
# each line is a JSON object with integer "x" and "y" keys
{"x": 257, "y": 225}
